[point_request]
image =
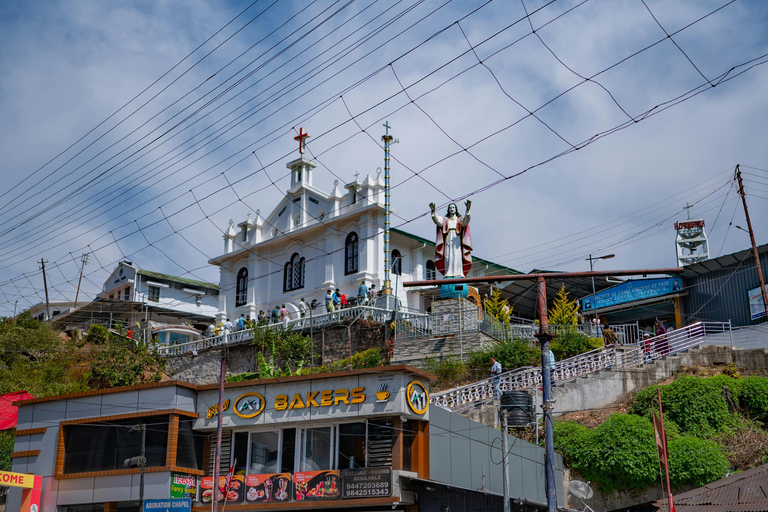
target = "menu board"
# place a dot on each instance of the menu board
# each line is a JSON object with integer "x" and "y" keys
{"x": 183, "y": 486}
{"x": 268, "y": 487}
{"x": 366, "y": 482}
{"x": 316, "y": 485}
{"x": 235, "y": 494}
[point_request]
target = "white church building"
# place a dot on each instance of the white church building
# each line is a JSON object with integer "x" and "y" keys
{"x": 314, "y": 241}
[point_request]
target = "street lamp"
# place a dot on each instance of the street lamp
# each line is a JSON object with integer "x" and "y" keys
{"x": 591, "y": 260}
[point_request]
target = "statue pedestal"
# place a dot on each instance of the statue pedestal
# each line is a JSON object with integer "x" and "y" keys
{"x": 454, "y": 316}
{"x": 453, "y": 291}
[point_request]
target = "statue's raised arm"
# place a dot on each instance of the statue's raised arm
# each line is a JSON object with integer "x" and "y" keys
{"x": 453, "y": 244}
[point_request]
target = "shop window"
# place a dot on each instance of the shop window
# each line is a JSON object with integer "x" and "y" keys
{"x": 190, "y": 449}
{"x": 104, "y": 447}
{"x": 351, "y": 254}
{"x": 316, "y": 445}
{"x": 265, "y": 453}
{"x": 241, "y": 292}
{"x": 240, "y": 452}
{"x": 352, "y": 445}
{"x": 288, "y": 455}
{"x": 153, "y": 294}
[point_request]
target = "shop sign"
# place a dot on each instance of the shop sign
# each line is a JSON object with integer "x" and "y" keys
{"x": 366, "y": 482}
{"x": 214, "y": 409}
{"x": 249, "y": 405}
{"x": 756, "y": 307}
{"x": 268, "y": 488}
{"x": 183, "y": 486}
{"x": 172, "y": 505}
{"x": 235, "y": 494}
{"x": 17, "y": 480}
{"x": 689, "y": 224}
{"x": 324, "y": 398}
{"x": 632, "y": 291}
{"x": 417, "y": 397}
{"x": 316, "y": 485}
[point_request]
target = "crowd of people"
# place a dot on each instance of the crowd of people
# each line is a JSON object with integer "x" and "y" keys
{"x": 335, "y": 299}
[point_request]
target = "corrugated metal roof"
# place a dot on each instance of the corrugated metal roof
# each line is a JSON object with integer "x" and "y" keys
{"x": 742, "y": 492}
{"x": 183, "y": 280}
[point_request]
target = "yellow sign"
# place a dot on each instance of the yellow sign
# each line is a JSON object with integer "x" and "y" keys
{"x": 17, "y": 479}
{"x": 417, "y": 397}
{"x": 320, "y": 399}
{"x": 249, "y": 405}
{"x": 214, "y": 409}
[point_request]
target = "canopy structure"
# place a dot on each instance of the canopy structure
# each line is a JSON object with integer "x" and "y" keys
{"x": 8, "y": 412}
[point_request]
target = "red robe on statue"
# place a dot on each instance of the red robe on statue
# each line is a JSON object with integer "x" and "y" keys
{"x": 466, "y": 245}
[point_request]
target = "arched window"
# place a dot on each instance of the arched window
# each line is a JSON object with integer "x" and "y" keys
{"x": 397, "y": 262}
{"x": 293, "y": 273}
{"x": 241, "y": 294}
{"x": 430, "y": 270}
{"x": 351, "y": 255}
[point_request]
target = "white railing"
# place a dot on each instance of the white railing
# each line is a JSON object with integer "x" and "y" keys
{"x": 627, "y": 356}
{"x": 299, "y": 324}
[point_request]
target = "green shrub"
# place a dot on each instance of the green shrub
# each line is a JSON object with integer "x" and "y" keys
{"x": 699, "y": 406}
{"x": 370, "y": 358}
{"x": 511, "y": 354}
{"x": 572, "y": 343}
{"x": 753, "y": 397}
{"x": 450, "y": 371}
{"x": 6, "y": 449}
{"x": 694, "y": 461}
{"x": 571, "y": 441}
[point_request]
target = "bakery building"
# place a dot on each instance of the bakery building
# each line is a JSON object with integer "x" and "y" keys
{"x": 356, "y": 440}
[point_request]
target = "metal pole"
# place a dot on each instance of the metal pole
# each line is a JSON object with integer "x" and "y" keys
{"x": 14, "y": 307}
{"x": 45, "y": 284}
{"x": 505, "y": 460}
{"x": 752, "y": 238}
{"x": 594, "y": 301}
{"x": 311, "y": 341}
{"x": 84, "y": 259}
{"x": 544, "y": 338}
{"x": 143, "y": 463}
{"x": 670, "y": 504}
{"x": 387, "y": 138}
{"x": 217, "y": 456}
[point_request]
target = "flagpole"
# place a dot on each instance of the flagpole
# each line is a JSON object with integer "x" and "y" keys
{"x": 671, "y": 505}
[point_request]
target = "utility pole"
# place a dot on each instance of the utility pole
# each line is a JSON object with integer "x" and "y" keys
{"x": 594, "y": 299}
{"x": 217, "y": 456}
{"x": 84, "y": 259}
{"x": 544, "y": 337}
{"x": 45, "y": 284}
{"x": 387, "y": 138}
{"x": 505, "y": 458}
{"x": 752, "y": 238}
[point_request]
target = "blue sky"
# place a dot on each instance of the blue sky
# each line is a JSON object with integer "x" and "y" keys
{"x": 157, "y": 181}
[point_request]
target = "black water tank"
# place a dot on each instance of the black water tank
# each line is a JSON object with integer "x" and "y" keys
{"x": 519, "y": 406}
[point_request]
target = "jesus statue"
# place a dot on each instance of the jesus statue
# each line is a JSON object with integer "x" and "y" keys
{"x": 453, "y": 247}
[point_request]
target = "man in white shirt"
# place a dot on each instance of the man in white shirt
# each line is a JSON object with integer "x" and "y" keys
{"x": 302, "y": 308}
{"x": 496, "y": 373}
{"x": 228, "y": 327}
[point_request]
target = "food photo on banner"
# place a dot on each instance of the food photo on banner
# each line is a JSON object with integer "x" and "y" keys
{"x": 267, "y": 488}
{"x": 234, "y": 494}
{"x": 316, "y": 485}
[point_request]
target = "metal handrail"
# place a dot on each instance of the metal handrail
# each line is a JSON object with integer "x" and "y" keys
{"x": 622, "y": 356}
{"x": 298, "y": 324}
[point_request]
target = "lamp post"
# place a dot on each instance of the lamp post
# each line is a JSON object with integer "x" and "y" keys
{"x": 591, "y": 260}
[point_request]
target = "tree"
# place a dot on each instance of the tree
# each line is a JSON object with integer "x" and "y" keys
{"x": 497, "y": 307}
{"x": 119, "y": 361}
{"x": 564, "y": 311}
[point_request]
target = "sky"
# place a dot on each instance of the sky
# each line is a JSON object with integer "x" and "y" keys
{"x": 136, "y": 130}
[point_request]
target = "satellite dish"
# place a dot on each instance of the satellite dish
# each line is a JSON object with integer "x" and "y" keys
{"x": 580, "y": 489}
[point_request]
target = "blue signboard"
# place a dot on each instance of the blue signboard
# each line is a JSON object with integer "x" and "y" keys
{"x": 632, "y": 291}
{"x": 168, "y": 505}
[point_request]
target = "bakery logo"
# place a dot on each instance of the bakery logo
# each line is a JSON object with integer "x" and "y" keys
{"x": 417, "y": 397}
{"x": 249, "y": 405}
{"x": 382, "y": 395}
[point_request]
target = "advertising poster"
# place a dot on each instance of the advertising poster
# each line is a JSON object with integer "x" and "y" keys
{"x": 756, "y": 307}
{"x": 235, "y": 494}
{"x": 366, "y": 482}
{"x": 631, "y": 291}
{"x": 183, "y": 486}
{"x": 266, "y": 488}
{"x": 171, "y": 505}
{"x": 317, "y": 485}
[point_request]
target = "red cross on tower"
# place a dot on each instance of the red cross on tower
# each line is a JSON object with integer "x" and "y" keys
{"x": 302, "y": 135}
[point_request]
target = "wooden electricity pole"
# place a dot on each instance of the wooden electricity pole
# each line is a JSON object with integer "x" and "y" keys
{"x": 45, "y": 285}
{"x": 752, "y": 238}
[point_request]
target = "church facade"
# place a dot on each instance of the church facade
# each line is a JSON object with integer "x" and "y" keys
{"x": 313, "y": 241}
